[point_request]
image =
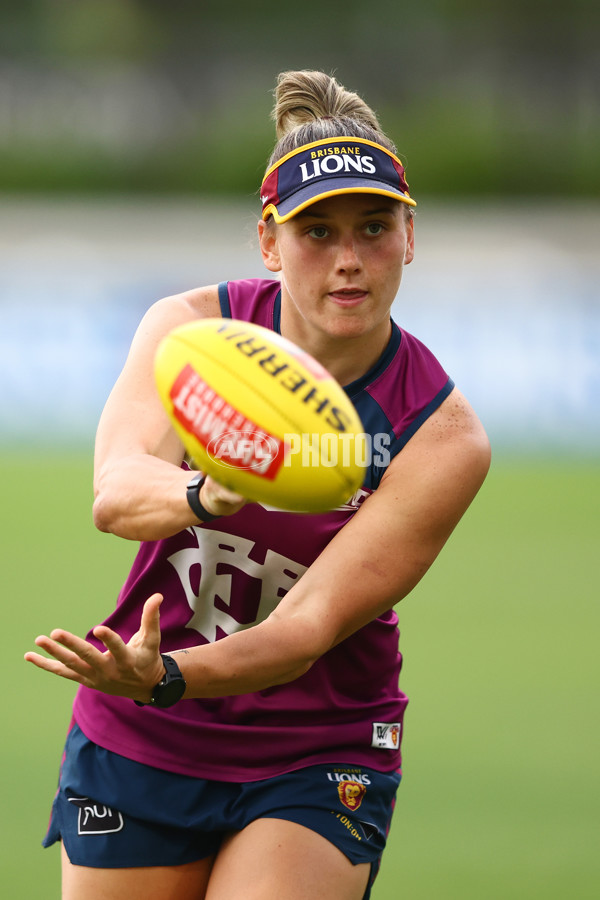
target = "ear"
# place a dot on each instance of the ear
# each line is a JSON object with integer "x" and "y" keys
{"x": 409, "y": 253}
{"x": 267, "y": 237}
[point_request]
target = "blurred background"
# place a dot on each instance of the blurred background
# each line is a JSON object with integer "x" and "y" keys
{"x": 133, "y": 138}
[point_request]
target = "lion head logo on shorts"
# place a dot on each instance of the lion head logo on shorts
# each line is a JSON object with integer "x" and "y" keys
{"x": 351, "y": 793}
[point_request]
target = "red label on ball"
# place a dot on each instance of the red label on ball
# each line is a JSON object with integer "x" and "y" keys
{"x": 227, "y": 435}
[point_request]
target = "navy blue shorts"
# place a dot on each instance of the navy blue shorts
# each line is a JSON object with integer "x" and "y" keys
{"x": 112, "y": 812}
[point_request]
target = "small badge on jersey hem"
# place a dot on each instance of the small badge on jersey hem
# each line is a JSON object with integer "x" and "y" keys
{"x": 386, "y": 735}
{"x": 95, "y": 818}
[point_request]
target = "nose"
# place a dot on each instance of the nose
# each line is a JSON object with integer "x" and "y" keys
{"x": 348, "y": 259}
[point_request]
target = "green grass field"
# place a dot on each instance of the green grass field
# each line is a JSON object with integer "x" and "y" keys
{"x": 500, "y": 792}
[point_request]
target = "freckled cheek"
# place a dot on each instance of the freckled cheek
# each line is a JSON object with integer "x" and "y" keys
{"x": 303, "y": 268}
{"x": 289, "y": 253}
{"x": 392, "y": 259}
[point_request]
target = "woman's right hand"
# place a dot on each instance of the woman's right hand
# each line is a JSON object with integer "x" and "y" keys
{"x": 219, "y": 500}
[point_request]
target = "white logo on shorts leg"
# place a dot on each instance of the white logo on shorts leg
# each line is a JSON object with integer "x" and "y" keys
{"x": 386, "y": 735}
{"x": 95, "y": 818}
{"x": 368, "y": 829}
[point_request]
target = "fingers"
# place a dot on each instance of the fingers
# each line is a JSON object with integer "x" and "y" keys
{"x": 70, "y": 650}
{"x": 111, "y": 640}
{"x": 51, "y": 665}
{"x": 73, "y": 657}
{"x": 152, "y": 606}
{"x": 65, "y": 662}
{"x": 219, "y": 500}
{"x": 150, "y": 624}
{"x": 224, "y": 495}
{"x": 147, "y": 639}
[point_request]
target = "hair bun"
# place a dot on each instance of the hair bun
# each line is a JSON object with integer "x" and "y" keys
{"x": 304, "y": 96}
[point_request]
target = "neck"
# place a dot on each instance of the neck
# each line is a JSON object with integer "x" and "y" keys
{"x": 346, "y": 357}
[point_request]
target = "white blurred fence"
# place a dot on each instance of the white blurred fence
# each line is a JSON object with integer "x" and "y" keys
{"x": 508, "y": 298}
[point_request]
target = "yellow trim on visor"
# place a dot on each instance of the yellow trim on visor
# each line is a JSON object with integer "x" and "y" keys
{"x": 383, "y": 182}
{"x": 271, "y": 209}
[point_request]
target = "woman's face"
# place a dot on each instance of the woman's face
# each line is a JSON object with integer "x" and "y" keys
{"x": 341, "y": 263}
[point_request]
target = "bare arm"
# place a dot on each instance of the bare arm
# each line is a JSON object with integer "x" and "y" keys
{"x": 371, "y": 564}
{"x": 139, "y": 487}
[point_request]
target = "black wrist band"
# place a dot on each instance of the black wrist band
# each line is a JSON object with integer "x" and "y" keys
{"x": 169, "y": 689}
{"x": 193, "y": 498}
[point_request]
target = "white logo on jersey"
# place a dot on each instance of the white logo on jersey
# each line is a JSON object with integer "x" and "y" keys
{"x": 215, "y": 574}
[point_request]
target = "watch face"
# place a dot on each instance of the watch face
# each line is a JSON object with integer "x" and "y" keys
{"x": 172, "y": 687}
{"x": 169, "y": 693}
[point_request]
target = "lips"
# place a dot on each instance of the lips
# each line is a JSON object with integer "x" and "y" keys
{"x": 348, "y": 296}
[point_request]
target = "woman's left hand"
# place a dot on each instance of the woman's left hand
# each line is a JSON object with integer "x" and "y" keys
{"x": 123, "y": 670}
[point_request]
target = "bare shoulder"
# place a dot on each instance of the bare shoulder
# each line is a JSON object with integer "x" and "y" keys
{"x": 198, "y": 303}
{"x": 454, "y": 432}
{"x": 450, "y": 452}
{"x": 169, "y": 313}
{"x": 456, "y": 420}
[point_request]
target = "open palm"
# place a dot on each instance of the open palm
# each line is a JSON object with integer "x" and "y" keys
{"x": 124, "y": 669}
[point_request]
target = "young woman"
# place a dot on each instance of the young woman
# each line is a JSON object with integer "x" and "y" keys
{"x": 261, "y": 756}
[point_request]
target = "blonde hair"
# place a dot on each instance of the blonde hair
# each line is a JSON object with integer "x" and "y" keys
{"x": 312, "y": 106}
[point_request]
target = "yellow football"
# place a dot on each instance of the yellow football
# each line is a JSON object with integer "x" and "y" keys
{"x": 260, "y": 415}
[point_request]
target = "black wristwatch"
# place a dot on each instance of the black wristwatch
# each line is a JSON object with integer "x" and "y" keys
{"x": 193, "y": 498}
{"x": 170, "y": 688}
